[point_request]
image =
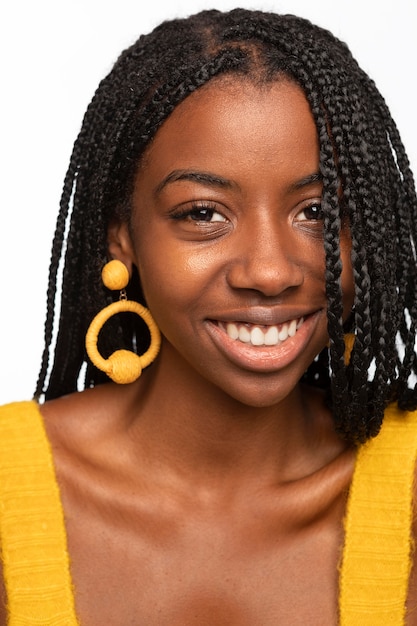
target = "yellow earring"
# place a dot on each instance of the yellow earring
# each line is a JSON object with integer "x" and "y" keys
{"x": 123, "y": 366}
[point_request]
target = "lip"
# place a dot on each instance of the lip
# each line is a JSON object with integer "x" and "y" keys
{"x": 264, "y": 316}
{"x": 264, "y": 358}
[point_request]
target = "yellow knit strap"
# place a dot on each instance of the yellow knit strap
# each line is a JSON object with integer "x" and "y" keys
{"x": 32, "y": 531}
{"x": 378, "y": 543}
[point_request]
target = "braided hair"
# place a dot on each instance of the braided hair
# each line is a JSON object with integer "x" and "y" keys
{"x": 366, "y": 181}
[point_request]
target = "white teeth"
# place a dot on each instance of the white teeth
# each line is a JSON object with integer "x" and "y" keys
{"x": 262, "y": 335}
{"x": 283, "y": 333}
{"x": 292, "y": 328}
{"x": 271, "y": 336}
{"x": 300, "y": 321}
{"x": 257, "y": 338}
{"x": 232, "y": 331}
{"x": 244, "y": 334}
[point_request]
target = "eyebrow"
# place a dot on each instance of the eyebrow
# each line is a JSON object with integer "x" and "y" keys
{"x": 214, "y": 180}
{"x": 205, "y": 178}
{"x": 311, "y": 179}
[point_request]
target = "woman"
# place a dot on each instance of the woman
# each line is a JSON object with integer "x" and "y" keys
{"x": 247, "y": 181}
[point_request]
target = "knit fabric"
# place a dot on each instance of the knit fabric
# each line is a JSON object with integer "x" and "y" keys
{"x": 32, "y": 532}
{"x": 378, "y": 544}
{"x": 376, "y": 558}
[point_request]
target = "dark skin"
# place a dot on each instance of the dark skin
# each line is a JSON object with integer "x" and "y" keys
{"x": 213, "y": 489}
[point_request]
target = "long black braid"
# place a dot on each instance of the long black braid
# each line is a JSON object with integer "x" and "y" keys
{"x": 367, "y": 184}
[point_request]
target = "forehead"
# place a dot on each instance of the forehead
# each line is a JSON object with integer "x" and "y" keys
{"x": 236, "y": 123}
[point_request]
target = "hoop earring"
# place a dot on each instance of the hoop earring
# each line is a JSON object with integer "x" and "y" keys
{"x": 123, "y": 366}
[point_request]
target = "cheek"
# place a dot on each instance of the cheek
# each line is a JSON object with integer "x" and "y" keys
{"x": 159, "y": 281}
{"x": 198, "y": 263}
{"x": 173, "y": 278}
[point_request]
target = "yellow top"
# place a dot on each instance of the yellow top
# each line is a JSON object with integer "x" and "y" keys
{"x": 378, "y": 543}
{"x": 32, "y": 532}
{"x": 376, "y": 557}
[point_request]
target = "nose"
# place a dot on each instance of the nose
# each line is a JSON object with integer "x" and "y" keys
{"x": 265, "y": 260}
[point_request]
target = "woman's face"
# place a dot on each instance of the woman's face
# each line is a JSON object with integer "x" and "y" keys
{"x": 227, "y": 238}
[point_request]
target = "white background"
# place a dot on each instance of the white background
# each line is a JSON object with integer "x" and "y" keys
{"x": 52, "y": 56}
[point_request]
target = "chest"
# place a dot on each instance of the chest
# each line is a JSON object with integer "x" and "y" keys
{"x": 207, "y": 567}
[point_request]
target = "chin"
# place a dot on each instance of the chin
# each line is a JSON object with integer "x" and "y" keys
{"x": 262, "y": 395}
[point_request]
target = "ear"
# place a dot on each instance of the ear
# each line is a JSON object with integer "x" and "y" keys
{"x": 119, "y": 244}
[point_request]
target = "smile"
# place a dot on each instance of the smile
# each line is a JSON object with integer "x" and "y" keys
{"x": 264, "y": 347}
{"x": 261, "y": 335}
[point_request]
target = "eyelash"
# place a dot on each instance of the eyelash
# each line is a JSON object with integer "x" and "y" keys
{"x": 188, "y": 213}
{"x": 194, "y": 213}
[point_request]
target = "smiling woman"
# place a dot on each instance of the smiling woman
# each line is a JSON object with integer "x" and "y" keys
{"x": 221, "y": 199}
{"x": 246, "y": 180}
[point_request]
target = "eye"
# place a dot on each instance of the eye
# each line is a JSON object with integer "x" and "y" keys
{"x": 199, "y": 213}
{"x": 202, "y": 214}
{"x": 312, "y": 212}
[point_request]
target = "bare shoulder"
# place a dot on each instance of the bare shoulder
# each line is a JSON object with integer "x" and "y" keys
{"x": 81, "y": 428}
{"x": 76, "y": 409}
{"x": 75, "y": 421}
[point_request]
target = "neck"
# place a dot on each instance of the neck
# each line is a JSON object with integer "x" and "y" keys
{"x": 196, "y": 427}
